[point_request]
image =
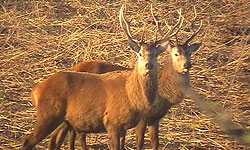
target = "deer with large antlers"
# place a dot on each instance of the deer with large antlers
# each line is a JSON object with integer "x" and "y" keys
{"x": 173, "y": 78}
{"x": 112, "y": 102}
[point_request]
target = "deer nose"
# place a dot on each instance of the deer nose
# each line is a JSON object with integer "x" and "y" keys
{"x": 187, "y": 65}
{"x": 149, "y": 66}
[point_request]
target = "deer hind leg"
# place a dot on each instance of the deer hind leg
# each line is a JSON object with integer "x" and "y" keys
{"x": 44, "y": 126}
{"x": 139, "y": 132}
{"x": 58, "y": 136}
{"x": 153, "y": 129}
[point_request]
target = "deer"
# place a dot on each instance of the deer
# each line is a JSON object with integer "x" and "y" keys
{"x": 174, "y": 84}
{"x": 173, "y": 77}
{"x": 90, "y": 103}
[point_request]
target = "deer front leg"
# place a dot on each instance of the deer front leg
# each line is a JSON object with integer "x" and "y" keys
{"x": 72, "y": 137}
{"x": 114, "y": 136}
{"x": 153, "y": 129}
{"x": 83, "y": 141}
{"x": 122, "y": 140}
{"x": 140, "y": 131}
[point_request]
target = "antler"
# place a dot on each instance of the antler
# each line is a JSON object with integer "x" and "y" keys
{"x": 170, "y": 33}
{"x": 127, "y": 30}
{"x": 192, "y": 24}
{"x": 180, "y": 22}
{"x": 156, "y": 23}
{"x": 123, "y": 20}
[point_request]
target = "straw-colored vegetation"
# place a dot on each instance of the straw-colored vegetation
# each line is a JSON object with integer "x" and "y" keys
{"x": 40, "y": 38}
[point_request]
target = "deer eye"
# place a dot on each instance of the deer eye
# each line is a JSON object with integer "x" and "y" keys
{"x": 140, "y": 54}
{"x": 176, "y": 55}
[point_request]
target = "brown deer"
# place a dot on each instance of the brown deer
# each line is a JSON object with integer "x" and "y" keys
{"x": 173, "y": 77}
{"x": 112, "y": 102}
{"x": 173, "y": 85}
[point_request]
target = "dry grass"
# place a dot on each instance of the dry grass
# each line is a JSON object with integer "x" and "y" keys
{"x": 39, "y": 38}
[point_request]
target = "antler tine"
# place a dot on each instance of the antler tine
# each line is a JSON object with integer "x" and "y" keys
{"x": 194, "y": 34}
{"x": 126, "y": 29}
{"x": 180, "y": 22}
{"x": 156, "y": 22}
{"x": 195, "y": 15}
{"x": 168, "y": 26}
{"x": 197, "y": 31}
{"x": 123, "y": 20}
{"x": 143, "y": 32}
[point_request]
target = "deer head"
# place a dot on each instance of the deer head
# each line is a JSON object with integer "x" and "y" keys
{"x": 180, "y": 53}
{"x": 147, "y": 52}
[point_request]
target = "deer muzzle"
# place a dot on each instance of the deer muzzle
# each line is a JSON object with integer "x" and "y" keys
{"x": 149, "y": 66}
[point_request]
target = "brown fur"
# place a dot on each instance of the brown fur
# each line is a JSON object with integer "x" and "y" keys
{"x": 114, "y": 101}
{"x": 98, "y": 67}
{"x": 172, "y": 79}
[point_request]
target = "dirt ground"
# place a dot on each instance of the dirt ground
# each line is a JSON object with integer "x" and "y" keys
{"x": 40, "y": 38}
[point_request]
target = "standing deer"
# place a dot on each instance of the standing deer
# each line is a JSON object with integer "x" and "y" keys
{"x": 173, "y": 77}
{"x": 112, "y": 102}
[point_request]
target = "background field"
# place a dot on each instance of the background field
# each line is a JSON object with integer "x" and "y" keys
{"x": 40, "y": 38}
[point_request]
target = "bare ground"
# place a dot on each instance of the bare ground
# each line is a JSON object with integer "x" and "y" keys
{"x": 40, "y": 38}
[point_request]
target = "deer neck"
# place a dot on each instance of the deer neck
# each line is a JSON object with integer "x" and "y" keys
{"x": 171, "y": 83}
{"x": 142, "y": 89}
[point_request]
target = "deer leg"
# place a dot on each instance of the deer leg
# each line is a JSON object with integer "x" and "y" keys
{"x": 153, "y": 129}
{"x": 52, "y": 142}
{"x": 139, "y": 132}
{"x": 114, "y": 136}
{"x": 72, "y": 137}
{"x": 58, "y": 136}
{"x": 44, "y": 126}
{"x": 62, "y": 134}
{"x": 122, "y": 140}
{"x": 83, "y": 141}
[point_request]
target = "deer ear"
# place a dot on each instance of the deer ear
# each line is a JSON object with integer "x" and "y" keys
{"x": 162, "y": 46}
{"x": 135, "y": 47}
{"x": 160, "y": 49}
{"x": 194, "y": 47}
